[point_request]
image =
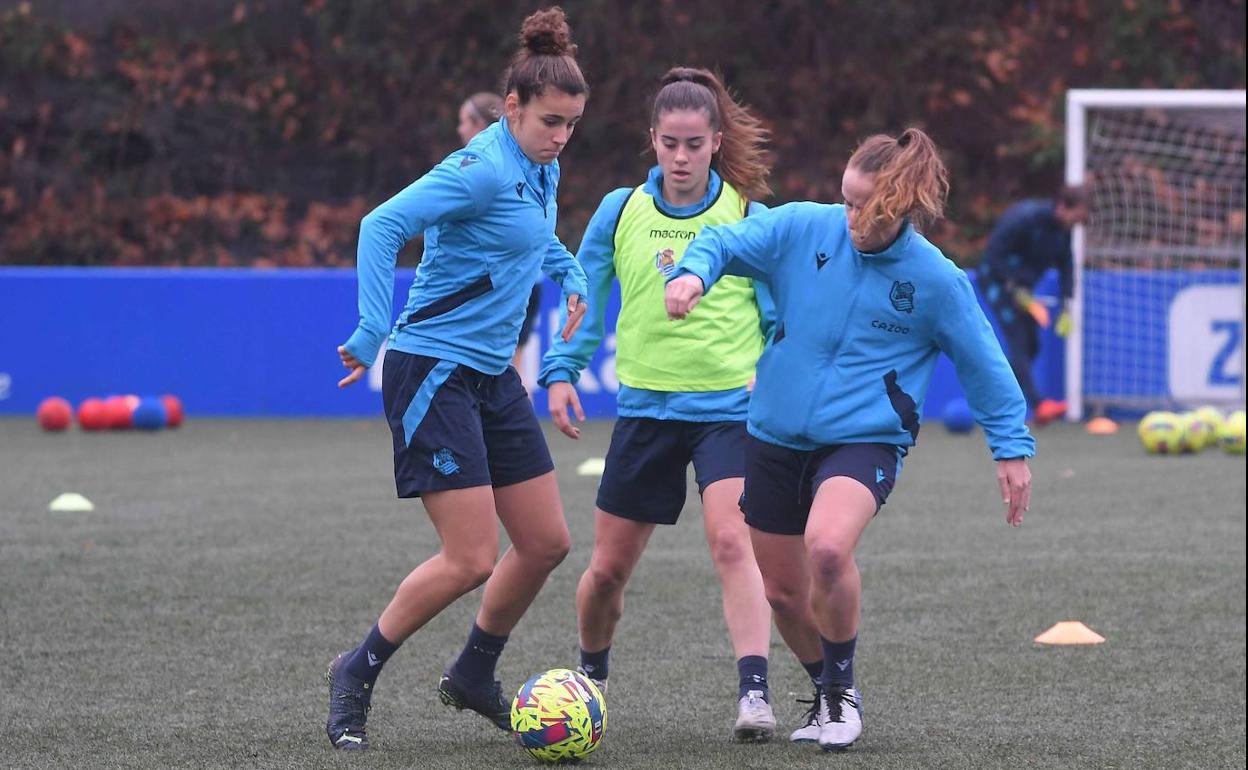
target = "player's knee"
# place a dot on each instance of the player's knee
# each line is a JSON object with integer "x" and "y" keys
{"x": 607, "y": 576}
{"x": 785, "y": 599}
{"x": 829, "y": 559}
{"x": 473, "y": 569}
{"x": 730, "y": 550}
{"x": 550, "y": 552}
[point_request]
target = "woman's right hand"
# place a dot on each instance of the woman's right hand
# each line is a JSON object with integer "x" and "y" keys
{"x": 681, "y": 295}
{"x": 350, "y": 362}
{"x": 559, "y": 396}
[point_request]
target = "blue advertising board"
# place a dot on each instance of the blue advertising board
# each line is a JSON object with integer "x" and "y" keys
{"x": 239, "y": 342}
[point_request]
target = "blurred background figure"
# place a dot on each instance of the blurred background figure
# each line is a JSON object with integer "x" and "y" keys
{"x": 1030, "y": 237}
{"x": 477, "y": 112}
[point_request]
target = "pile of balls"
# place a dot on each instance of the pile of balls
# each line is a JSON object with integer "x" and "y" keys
{"x": 111, "y": 413}
{"x": 1172, "y": 433}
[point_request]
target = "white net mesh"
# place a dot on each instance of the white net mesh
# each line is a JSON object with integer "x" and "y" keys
{"x": 1162, "y": 280}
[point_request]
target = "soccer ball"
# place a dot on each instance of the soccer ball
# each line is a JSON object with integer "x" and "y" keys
{"x": 559, "y": 716}
{"x": 1231, "y": 437}
{"x": 1162, "y": 433}
{"x": 1198, "y": 432}
{"x": 1214, "y": 417}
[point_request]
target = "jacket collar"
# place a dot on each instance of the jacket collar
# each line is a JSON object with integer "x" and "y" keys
{"x": 533, "y": 172}
{"x": 654, "y": 188}
{"x": 895, "y": 249}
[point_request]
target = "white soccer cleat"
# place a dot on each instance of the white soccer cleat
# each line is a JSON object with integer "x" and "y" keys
{"x": 815, "y": 718}
{"x": 756, "y": 722}
{"x": 844, "y": 718}
{"x": 601, "y": 684}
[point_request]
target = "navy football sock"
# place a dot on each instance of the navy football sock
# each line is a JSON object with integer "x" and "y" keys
{"x": 594, "y": 664}
{"x": 752, "y": 675}
{"x": 477, "y": 660}
{"x": 366, "y": 662}
{"x": 815, "y": 670}
{"x": 838, "y": 663}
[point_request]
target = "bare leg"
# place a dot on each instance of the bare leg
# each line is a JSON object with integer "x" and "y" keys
{"x": 465, "y": 521}
{"x": 532, "y": 514}
{"x": 618, "y": 545}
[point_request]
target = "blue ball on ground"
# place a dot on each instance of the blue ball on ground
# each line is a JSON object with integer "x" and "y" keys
{"x": 150, "y": 414}
{"x": 957, "y": 416}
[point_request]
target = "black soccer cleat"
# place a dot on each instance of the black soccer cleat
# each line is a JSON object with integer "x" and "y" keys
{"x": 486, "y": 699}
{"x": 349, "y": 703}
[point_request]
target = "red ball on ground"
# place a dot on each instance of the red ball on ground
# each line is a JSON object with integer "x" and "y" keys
{"x": 54, "y": 414}
{"x": 93, "y": 414}
{"x": 173, "y": 410}
{"x": 120, "y": 412}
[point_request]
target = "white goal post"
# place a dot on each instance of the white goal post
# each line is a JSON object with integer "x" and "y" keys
{"x": 1159, "y": 265}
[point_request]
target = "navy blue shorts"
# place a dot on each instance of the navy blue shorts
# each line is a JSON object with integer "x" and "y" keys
{"x": 780, "y": 483}
{"x": 455, "y": 427}
{"x": 644, "y": 478}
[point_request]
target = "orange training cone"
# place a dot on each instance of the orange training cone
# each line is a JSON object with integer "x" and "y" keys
{"x": 1102, "y": 426}
{"x": 1070, "y": 632}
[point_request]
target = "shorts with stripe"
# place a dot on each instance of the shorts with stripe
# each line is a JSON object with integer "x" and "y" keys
{"x": 455, "y": 427}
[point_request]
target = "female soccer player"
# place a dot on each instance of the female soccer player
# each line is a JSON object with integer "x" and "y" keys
{"x": 684, "y": 388}
{"x": 465, "y": 436}
{"x": 864, "y": 304}
{"x": 477, "y": 113}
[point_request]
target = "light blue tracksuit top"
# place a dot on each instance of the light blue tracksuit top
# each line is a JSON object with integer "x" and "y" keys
{"x": 857, "y": 335}
{"x": 565, "y": 361}
{"x": 488, "y": 215}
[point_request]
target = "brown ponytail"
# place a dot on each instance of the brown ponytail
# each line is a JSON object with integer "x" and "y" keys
{"x": 741, "y": 160}
{"x": 910, "y": 178}
{"x": 547, "y": 58}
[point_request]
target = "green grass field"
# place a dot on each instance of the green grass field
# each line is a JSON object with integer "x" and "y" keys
{"x": 186, "y": 622}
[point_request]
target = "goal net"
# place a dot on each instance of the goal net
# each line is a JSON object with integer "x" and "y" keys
{"x": 1160, "y": 262}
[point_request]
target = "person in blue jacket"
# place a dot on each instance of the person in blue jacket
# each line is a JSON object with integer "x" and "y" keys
{"x": 864, "y": 304}
{"x": 684, "y": 388}
{"x": 466, "y": 439}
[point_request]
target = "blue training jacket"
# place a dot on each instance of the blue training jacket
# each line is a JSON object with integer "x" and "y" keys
{"x": 857, "y": 335}
{"x": 488, "y": 215}
{"x": 565, "y": 361}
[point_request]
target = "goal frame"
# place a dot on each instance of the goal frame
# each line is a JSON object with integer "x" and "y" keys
{"x": 1078, "y": 102}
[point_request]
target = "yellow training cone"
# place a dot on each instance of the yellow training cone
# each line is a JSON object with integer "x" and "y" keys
{"x": 591, "y": 467}
{"x": 1070, "y": 632}
{"x": 71, "y": 502}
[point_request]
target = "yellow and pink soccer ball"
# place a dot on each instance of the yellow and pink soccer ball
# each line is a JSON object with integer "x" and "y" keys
{"x": 1199, "y": 431}
{"x": 1214, "y": 417}
{"x": 559, "y": 716}
{"x": 1163, "y": 433}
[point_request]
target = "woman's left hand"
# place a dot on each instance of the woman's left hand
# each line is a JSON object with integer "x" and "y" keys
{"x": 350, "y": 362}
{"x": 1014, "y": 477}
{"x": 576, "y": 313}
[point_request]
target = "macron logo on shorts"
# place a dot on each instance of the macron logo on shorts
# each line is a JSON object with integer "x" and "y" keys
{"x": 879, "y": 475}
{"x": 444, "y": 462}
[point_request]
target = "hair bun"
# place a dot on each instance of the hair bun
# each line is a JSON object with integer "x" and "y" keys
{"x": 546, "y": 33}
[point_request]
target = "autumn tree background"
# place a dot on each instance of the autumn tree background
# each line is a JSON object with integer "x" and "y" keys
{"x": 259, "y": 132}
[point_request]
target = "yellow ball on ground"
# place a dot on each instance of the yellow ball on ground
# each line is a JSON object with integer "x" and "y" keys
{"x": 1213, "y": 416}
{"x": 559, "y": 716}
{"x": 1198, "y": 432}
{"x": 1231, "y": 437}
{"x": 1162, "y": 433}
